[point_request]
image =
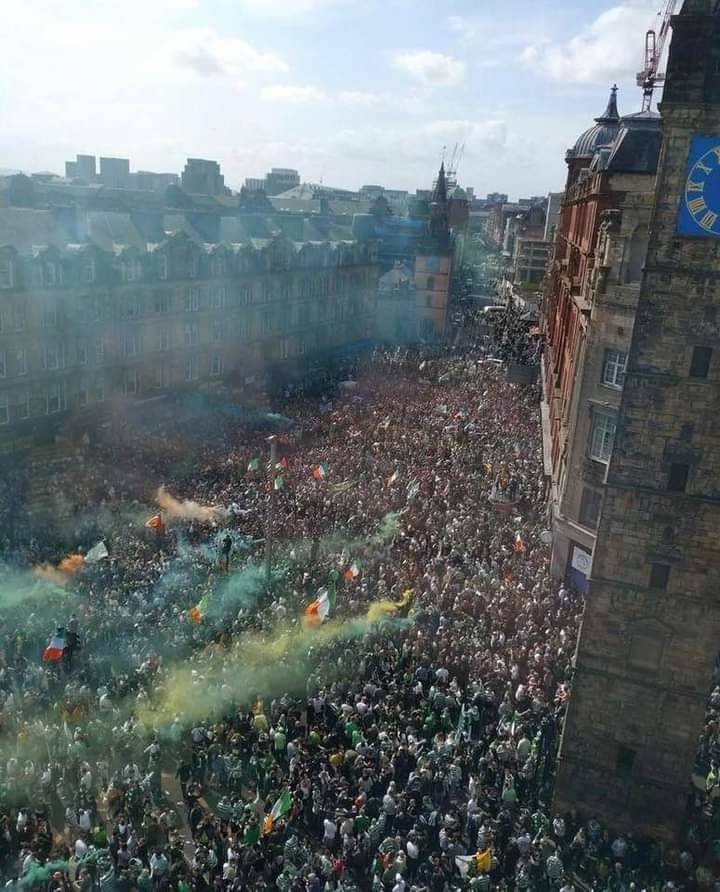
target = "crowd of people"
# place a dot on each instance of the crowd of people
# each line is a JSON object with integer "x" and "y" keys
{"x": 210, "y": 727}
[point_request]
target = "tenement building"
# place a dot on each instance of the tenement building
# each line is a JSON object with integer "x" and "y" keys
{"x": 588, "y": 317}
{"x": 102, "y": 309}
{"x": 651, "y": 628}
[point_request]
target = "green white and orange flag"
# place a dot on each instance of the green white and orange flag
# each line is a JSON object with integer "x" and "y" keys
{"x": 253, "y": 464}
{"x": 318, "y": 610}
{"x": 352, "y": 572}
{"x": 198, "y": 612}
{"x": 282, "y": 806}
{"x": 320, "y": 471}
{"x": 278, "y": 483}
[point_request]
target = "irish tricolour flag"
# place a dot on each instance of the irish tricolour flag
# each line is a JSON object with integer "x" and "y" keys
{"x": 55, "y": 647}
{"x": 319, "y": 609}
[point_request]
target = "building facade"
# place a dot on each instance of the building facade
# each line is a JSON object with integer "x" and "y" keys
{"x": 588, "y": 318}
{"x": 651, "y": 627}
{"x": 86, "y": 330}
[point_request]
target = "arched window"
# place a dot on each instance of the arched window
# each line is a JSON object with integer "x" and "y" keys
{"x": 431, "y": 283}
{"x": 636, "y": 254}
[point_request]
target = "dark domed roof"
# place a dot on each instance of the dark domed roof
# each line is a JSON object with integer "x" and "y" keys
{"x": 602, "y": 134}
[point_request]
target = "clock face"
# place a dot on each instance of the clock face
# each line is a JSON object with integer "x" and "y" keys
{"x": 699, "y": 212}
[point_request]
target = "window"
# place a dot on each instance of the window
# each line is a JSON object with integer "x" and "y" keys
{"x": 51, "y": 274}
{"x": 88, "y": 271}
{"x": 267, "y": 291}
{"x": 162, "y": 266}
{"x": 131, "y": 382}
{"x": 163, "y": 340}
{"x": 192, "y": 300}
{"x": 3, "y": 365}
{"x": 700, "y": 362}
{"x": 603, "y": 436}
{"x": 162, "y": 376}
{"x": 218, "y": 329}
{"x": 19, "y": 312}
{"x": 100, "y": 389}
{"x": 51, "y": 357}
{"x": 217, "y": 297}
{"x": 624, "y": 761}
{"x": 21, "y": 361}
{"x": 193, "y": 266}
{"x": 659, "y": 575}
{"x": 4, "y": 409}
{"x": 428, "y": 300}
{"x": 286, "y": 289}
{"x": 83, "y": 392}
{"x": 217, "y": 265}
{"x": 614, "y": 368}
{"x": 82, "y": 353}
{"x": 431, "y": 283}
{"x": 678, "y": 477}
{"x": 192, "y": 334}
{"x": 23, "y": 405}
{"x": 130, "y": 345}
{"x": 302, "y": 347}
{"x": 99, "y": 350}
{"x": 130, "y": 270}
{"x": 265, "y": 322}
{"x": 131, "y": 306}
{"x": 216, "y": 364}
{"x": 55, "y": 397}
{"x": 7, "y": 273}
{"x": 245, "y": 295}
{"x": 162, "y": 302}
{"x": 191, "y": 368}
{"x": 284, "y": 348}
{"x": 49, "y": 318}
{"x": 590, "y": 507}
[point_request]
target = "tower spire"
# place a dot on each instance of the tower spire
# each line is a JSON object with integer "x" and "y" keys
{"x": 611, "y": 114}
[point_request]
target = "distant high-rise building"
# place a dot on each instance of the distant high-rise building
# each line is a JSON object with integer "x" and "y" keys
{"x": 255, "y": 184}
{"x": 203, "y": 177}
{"x": 281, "y": 179}
{"x": 82, "y": 168}
{"x": 115, "y": 172}
{"x": 497, "y": 198}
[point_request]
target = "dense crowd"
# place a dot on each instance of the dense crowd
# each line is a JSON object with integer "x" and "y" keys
{"x": 201, "y": 732}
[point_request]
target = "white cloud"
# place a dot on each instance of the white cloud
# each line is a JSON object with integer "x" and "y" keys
{"x": 297, "y": 94}
{"x": 360, "y": 98}
{"x": 608, "y": 48}
{"x": 207, "y": 53}
{"x": 432, "y": 68}
{"x": 282, "y": 9}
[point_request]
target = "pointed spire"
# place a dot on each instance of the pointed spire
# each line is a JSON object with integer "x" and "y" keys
{"x": 610, "y": 115}
{"x": 440, "y": 194}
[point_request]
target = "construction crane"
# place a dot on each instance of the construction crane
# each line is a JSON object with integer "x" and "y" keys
{"x": 654, "y": 47}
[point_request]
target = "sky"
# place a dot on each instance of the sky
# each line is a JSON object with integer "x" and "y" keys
{"x": 346, "y": 91}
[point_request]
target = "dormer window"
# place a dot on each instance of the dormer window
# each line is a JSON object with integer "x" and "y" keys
{"x": 162, "y": 266}
{"x": 51, "y": 274}
{"x": 130, "y": 270}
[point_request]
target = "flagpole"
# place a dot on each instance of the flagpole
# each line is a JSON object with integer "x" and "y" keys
{"x": 269, "y": 516}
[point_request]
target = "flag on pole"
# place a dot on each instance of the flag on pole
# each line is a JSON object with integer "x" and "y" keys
{"x": 155, "y": 522}
{"x": 278, "y": 483}
{"x": 319, "y": 609}
{"x": 337, "y": 489}
{"x": 352, "y": 572}
{"x": 253, "y": 464}
{"x": 282, "y": 465}
{"x": 55, "y": 647}
{"x": 97, "y": 553}
{"x": 518, "y": 544}
{"x": 320, "y": 471}
{"x": 281, "y": 808}
{"x": 391, "y": 479}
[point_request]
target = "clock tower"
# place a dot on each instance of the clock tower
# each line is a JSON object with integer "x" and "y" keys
{"x": 651, "y": 630}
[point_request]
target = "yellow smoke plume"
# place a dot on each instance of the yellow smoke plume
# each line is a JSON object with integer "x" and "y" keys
{"x": 173, "y": 509}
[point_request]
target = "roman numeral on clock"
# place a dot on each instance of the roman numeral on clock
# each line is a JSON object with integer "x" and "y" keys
{"x": 708, "y": 221}
{"x": 696, "y": 205}
{"x": 703, "y": 167}
{"x": 692, "y": 186}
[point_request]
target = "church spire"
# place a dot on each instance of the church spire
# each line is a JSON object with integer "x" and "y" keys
{"x": 440, "y": 192}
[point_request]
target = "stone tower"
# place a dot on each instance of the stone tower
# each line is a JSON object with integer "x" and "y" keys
{"x": 651, "y": 629}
